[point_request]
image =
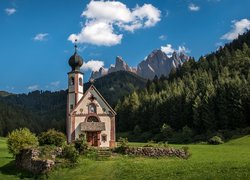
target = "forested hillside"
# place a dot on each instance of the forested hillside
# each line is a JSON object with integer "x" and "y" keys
{"x": 199, "y": 99}
{"x": 41, "y": 110}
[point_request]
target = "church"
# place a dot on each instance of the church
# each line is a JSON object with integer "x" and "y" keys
{"x": 88, "y": 113}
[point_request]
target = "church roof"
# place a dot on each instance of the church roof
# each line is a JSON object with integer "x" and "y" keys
{"x": 92, "y": 87}
{"x": 75, "y": 61}
{"x": 92, "y": 126}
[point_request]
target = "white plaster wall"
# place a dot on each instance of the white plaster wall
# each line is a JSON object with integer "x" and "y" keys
{"x": 107, "y": 121}
{"x": 71, "y": 101}
{"x": 78, "y": 121}
{"x": 69, "y": 129}
{"x": 84, "y": 106}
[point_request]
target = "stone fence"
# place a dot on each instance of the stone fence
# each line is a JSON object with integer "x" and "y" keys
{"x": 158, "y": 152}
{"x": 29, "y": 160}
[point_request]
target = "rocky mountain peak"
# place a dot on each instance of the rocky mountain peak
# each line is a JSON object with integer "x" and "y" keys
{"x": 157, "y": 63}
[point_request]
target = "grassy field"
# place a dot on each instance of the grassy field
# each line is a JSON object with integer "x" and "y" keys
{"x": 228, "y": 161}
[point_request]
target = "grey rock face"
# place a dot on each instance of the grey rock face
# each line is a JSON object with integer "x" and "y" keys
{"x": 97, "y": 74}
{"x": 158, "y": 64}
{"x": 120, "y": 65}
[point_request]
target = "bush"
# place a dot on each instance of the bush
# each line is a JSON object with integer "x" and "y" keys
{"x": 122, "y": 145}
{"x": 149, "y": 144}
{"x": 215, "y": 140}
{"x": 166, "y": 131}
{"x": 52, "y": 137}
{"x": 70, "y": 153}
{"x": 21, "y": 139}
{"x": 81, "y": 145}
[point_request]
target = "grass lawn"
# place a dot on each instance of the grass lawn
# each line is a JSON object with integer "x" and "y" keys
{"x": 228, "y": 161}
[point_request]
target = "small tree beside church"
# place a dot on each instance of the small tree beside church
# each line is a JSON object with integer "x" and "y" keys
{"x": 21, "y": 139}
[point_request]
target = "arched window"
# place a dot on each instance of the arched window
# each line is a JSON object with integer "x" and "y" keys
{"x": 92, "y": 108}
{"x": 92, "y": 119}
{"x": 80, "y": 81}
{"x": 72, "y": 81}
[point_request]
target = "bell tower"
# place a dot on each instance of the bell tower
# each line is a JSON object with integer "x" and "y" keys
{"x": 75, "y": 88}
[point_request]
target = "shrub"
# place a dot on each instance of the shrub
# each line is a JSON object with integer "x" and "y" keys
{"x": 149, "y": 144}
{"x": 81, "y": 145}
{"x": 122, "y": 145}
{"x": 187, "y": 134}
{"x": 21, "y": 139}
{"x": 52, "y": 137}
{"x": 166, "y": 131}
{"x": 70, "y": 153}
{"x": 92, "y": 154}
{"x": 215, "y": 140}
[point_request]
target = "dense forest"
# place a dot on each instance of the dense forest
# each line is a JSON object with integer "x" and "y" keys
{"x": 201, "y": 98}
{"x": 41, "y": 110}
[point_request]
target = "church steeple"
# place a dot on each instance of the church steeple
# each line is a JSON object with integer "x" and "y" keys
{"x": 75, "y": 61}
{"x": 75, "y": 85}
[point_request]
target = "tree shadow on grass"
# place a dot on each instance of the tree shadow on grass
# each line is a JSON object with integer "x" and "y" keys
{"x": 11, "y": 169}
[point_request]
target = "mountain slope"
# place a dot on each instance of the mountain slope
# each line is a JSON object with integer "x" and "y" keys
{"x": 41, "y": 110}
{"x": 118, "y": 84}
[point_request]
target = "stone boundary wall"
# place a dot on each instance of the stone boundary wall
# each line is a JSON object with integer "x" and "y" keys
{"x": 28, "y": 160}
{"x": 157, "y": 152}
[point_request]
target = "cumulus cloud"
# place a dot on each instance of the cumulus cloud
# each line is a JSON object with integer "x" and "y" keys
{"x": 93, "y": 65}
{"x": 168, "y": 49}
{"x": 183, "y": 49}
{"x": 41, "y": 37}
{"x": 55, "y": 83}
{"x": 193, "y": 7}
{"x": 10, "y": 11}
{"x": 238, "y": 28}
{"x": 106, "y": 20}
{"x": 33, "y": 87}
{"x": 162, "y": 37}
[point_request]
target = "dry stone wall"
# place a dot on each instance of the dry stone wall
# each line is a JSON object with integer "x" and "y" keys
{"x": 28, "y": 160}
{"x": 157, "y": 152}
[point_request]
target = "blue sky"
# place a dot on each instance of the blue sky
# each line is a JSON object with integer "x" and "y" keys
{"x": 35, "y": 34}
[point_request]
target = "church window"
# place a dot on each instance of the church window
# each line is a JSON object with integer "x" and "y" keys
{"x": 80, "y": 81}
{"x": 104, "y": 137}
{"x": 92, "y": 108}
{"x": 72, "y": 81}
{"x": 92, "y": 119}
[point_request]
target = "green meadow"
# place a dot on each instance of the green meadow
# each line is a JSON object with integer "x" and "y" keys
{"x": 227, "y": 161}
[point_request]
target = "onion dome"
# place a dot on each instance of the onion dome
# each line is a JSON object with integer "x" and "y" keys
{"x": 75, "y": 61}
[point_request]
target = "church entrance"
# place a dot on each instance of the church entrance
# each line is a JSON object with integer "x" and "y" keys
{"x": 92, "y": 138}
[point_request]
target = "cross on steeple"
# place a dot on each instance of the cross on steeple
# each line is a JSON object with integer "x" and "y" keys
{"x": 75, "y": 46}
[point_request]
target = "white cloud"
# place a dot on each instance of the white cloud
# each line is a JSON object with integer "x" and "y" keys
{"x": 33, "y": 87}
{"x": 183, "y": 49}
{"x": 168, "y": 49}
{"x": 97, "y": 33}
{"x": 41, "y": 37}
{"x": 193, "y": 7}
{"x": 10, "y": 11}
{"x": 93, "y": 65}
{"x": 238, "y": 27}
{"x": 55, "y": 83}
{"x": 162, "y": 37}
{"x": 106, "y": 20}
{"x": 147, "y": 12}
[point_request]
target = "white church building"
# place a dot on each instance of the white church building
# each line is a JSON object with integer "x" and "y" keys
{"x": 88, "y": 112}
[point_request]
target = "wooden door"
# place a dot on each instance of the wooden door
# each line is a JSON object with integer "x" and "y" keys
{"x": 92, "y": 138}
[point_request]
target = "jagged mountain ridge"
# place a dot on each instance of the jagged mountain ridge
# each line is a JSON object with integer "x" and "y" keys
{"x": 157, "y": 63}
